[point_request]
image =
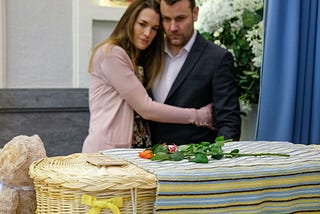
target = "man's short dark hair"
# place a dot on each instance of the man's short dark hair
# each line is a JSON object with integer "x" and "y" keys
{"x": 172, "y": 2}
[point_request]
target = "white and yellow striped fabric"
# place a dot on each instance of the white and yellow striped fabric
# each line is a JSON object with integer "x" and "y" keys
{"x": 264, "y": 184}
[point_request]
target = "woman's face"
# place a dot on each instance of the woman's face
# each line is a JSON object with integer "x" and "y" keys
{"x": 145, "y": 28}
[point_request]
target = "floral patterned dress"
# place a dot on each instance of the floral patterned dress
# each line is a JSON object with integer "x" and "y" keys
{"x": 141, "y": 134}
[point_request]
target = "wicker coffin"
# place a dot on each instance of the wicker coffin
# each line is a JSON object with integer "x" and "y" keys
{"x": 61, "y": 182}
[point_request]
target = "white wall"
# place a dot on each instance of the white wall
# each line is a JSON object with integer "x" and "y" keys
{"x": 99, "y": 30}
{"x": 39, "y": 43}
{"x": 47, "y": 44}
{"x": 2, "y": 42}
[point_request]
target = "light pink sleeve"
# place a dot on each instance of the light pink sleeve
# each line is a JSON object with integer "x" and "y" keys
{"x": 118, "y": 70}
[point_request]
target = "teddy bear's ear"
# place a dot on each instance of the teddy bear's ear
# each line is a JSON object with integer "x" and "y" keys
{"x": 12, "y": 157}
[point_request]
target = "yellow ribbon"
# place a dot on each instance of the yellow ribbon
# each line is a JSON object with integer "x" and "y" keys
{"x": 97, "y": 204}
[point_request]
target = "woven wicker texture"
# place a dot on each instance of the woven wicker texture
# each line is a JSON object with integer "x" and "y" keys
{"x": 61, "y": 181}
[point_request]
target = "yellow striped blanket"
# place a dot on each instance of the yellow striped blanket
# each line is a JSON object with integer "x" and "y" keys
{"x": 268, "y": 184}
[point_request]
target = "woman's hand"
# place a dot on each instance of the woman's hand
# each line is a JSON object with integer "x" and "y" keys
{"x": 204, "y": 117}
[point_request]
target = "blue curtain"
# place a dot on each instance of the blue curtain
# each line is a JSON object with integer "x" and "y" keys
{"x": 289, "y": 106}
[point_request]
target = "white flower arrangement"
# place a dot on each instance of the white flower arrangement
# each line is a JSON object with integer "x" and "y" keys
{"x": 237, "y": 25}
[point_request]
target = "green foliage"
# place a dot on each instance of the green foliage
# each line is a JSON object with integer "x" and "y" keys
{"x": 200, "y": 158}
{"x": 176, "y": 156}
{"x": 200, "y": 152}
{"x": 235, "y": 39}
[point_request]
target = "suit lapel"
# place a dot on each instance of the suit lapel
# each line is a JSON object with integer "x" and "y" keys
{"x": 192, "y": 59}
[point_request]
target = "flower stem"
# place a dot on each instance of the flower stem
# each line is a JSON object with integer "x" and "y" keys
{"x": 257, "y": 154}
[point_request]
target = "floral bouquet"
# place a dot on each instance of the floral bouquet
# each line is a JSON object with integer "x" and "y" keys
{"x": 237, "y": 25}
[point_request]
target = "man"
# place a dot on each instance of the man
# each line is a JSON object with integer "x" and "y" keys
{"x": 196, "y": 73}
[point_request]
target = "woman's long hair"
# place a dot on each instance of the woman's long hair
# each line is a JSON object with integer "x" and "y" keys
{"x": 152, "y": 58}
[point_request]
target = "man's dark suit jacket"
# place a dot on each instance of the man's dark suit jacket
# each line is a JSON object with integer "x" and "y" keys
{"x": 207, "y": 76}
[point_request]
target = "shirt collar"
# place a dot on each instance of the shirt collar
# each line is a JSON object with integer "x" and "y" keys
{"x": 187, "y": 47}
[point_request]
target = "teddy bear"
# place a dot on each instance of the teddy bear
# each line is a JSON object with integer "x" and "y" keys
{"x": 17, "y": 194}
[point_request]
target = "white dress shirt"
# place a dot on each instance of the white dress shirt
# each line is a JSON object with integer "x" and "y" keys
{"x": 173, "y": 64}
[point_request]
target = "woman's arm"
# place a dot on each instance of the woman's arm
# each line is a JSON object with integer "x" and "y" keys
{"x": 118, "y": 70}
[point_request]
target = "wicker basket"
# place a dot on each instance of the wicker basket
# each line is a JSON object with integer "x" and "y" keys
{"x": 61, "y": 182}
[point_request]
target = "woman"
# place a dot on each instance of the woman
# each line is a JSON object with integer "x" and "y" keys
{"x": 116, "y": 91}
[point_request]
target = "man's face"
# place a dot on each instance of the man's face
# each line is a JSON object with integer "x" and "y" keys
{"x": 178, "y": 20}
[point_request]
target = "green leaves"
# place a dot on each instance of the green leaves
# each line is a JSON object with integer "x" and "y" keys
{"x": 200, "y": 152}
{"x": 233, "y": 153}
{"x": 176, "y": 156}
{"x": 200, "y": 158}
{"x": 250, "y": 18}
{"x": 242, "y": 36}
{"x": 160, "y": 156}
{"x": 159, "y": 148}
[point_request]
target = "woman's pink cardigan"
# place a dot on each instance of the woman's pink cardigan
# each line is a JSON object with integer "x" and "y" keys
{"x": 114, "y": 92}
